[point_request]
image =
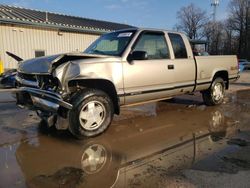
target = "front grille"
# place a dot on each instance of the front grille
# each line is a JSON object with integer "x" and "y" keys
{"x": 23, "y": 79}
{"x": 29, "y": 77}
{"x": 45, "y": 82}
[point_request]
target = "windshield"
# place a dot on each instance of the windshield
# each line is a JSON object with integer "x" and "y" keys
{"x": 112, "y": 44}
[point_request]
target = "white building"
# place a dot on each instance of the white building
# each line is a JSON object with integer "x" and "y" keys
{"x": 32, "y": 33}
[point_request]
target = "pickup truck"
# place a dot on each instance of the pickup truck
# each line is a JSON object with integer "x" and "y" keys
{"x": 82, "y": 91}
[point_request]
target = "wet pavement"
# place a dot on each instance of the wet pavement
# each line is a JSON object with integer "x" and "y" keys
{"x": 174, "y": 143}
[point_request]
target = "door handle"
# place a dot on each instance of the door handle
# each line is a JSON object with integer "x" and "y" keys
{"x": 170, "y": 66}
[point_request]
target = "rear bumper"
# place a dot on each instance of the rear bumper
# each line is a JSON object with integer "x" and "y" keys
{"x": 37, "y": 99}
{"x": 234, "y": 79}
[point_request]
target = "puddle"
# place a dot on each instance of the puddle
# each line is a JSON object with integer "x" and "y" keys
{"x": 153, "y": 141}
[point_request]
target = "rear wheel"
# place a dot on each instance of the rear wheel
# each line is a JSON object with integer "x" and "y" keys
{"x": 92, "y": 113}
{"x": 215, "y": 94}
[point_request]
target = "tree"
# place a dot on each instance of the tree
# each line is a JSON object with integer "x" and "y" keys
{"x": 220, "y": 37}
{"x": 215, "y": 35}
{"x": 191, "y": 20}
{"x": 240, "y": 22}
{"x": 230, "y": 39}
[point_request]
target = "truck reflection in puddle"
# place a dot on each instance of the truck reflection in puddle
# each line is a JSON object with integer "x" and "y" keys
{"x": 165, "y": 132}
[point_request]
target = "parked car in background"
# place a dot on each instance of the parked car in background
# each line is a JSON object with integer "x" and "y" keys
{"x": 8, "y": 78}
{"x": 204, "y": 54}
{"x": 244, "y": 64}
{"x": 197, "y": 53}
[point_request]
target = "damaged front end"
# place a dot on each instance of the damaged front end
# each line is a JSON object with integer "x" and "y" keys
{"x": 38, "y": 99}
{"x": 41, "y": 85}
{"x": 42, "y": 95}
{"x": 50, "y": 107}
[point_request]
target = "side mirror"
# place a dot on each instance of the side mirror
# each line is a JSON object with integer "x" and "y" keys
{"x": 138, "y": 55}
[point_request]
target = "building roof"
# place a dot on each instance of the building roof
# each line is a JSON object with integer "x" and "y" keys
{"x": 24, "y": 16}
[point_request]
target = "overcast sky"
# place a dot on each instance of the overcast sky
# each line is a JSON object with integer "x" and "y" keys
{"x": 142, "y": 13}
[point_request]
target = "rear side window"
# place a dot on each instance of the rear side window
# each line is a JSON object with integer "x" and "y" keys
{"x": 179, "y": 47}
{"x": 154, "y": 44}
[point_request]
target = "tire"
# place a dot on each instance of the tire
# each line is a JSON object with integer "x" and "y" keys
{"x": 92, "y": 113}
{"x": 215, "y": 94}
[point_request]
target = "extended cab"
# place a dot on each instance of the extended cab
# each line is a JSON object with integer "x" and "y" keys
{"x": 81, "y": 92}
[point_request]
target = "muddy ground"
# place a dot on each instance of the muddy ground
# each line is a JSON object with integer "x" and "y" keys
{"x": 174, "y": 143}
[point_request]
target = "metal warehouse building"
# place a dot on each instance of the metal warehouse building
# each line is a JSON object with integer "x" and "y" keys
{"x": 32, "y": 33}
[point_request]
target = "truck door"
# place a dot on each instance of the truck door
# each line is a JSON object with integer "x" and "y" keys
{"x": 150, "y": 78}
{"x": 184, "y": 70}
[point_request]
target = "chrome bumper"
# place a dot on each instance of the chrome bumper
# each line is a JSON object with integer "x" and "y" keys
{"x": 41, "y": 99}
{"x": 234, "y": 79}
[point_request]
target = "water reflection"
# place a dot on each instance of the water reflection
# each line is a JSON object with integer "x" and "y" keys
{"x": 148, "y": 133}
{"x": 94, "y": 158}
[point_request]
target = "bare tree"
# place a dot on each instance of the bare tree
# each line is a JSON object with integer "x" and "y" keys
{"x": 208, "y": 33}
{"x": 230, "y": 38}
{"x": 239, "y": 21}
{"x": 192, "y": 19}
{"x": 215, "y": 35}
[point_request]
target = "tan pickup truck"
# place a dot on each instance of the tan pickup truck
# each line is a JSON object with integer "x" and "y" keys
{"x": 81, "y": 92}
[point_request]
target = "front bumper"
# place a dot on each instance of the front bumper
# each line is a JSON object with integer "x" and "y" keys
{"x": 38, "y": 99}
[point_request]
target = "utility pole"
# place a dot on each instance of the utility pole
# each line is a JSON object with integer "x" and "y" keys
{"x": 215, "y": 4}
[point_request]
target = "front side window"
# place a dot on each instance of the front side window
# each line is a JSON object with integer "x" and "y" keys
{"x": 112, "y": 44}
{"x": 154, "y": 44}
{"x": 179, "y": 47}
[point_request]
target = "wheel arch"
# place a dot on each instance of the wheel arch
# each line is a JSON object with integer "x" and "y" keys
{"x": 222, "y": 74}
{"x": 101, "y": 84}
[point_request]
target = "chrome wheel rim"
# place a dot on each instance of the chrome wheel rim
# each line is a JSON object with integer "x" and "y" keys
{"x": 92, "y": 115}
{"x": 218, "y": 91}
{"x": 93, "y": 159}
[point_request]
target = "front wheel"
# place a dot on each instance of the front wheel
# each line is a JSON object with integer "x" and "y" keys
{"x": 215, "y": 94}
{"x": 92, "y": 113}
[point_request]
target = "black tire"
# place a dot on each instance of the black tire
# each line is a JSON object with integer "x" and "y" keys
{"x": 209, "y": 97}
{"x": 79, "y": 102}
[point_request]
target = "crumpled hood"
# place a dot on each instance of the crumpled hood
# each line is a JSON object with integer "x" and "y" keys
{"x": 43, "y": 65}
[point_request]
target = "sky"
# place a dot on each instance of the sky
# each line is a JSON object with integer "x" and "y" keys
{"x": 140, "y": 13}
